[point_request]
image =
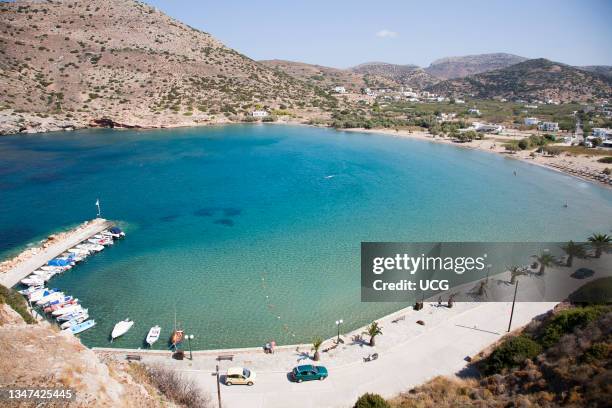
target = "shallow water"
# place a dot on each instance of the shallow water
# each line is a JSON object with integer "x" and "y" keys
{"x": 252, "y": 232}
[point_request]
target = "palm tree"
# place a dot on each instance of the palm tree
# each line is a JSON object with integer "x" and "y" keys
{"x": 515, "y": 272}
{"x": 373, "y": 330}
{"x": 572, "y": 250}
{"x": 316, "y": 345}
{"x": 544, "y": 259}
{"x": 599, "y": 242}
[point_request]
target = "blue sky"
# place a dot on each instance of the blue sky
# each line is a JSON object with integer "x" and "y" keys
{"x": 343, "y": 33}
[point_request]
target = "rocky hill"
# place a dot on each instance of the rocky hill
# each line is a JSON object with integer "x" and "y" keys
{"x": 407, "y": 75}
{"x": 533, "y": 79}
{"x": 84, "y": 60}
{"x": 605, "y": 70}
{"x": 459, "y": 67}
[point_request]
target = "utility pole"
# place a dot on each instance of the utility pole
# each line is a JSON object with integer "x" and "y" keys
{"x": 513, "y": 302}
{"x": 218, "y": 387}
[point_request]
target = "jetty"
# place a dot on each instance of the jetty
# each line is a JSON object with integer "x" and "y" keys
{"x": 53, "y": 247}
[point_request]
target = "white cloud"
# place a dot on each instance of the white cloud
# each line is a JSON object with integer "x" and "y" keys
{"x": 386, "y": 34}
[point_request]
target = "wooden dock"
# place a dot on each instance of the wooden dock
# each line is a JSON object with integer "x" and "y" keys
{"x": 70, "y": 239}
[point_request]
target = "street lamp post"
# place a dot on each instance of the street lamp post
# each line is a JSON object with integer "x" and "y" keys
{"x": 189, "y": 338}
{"x": 338, "y": 323}
{"x": 513, "y": 302}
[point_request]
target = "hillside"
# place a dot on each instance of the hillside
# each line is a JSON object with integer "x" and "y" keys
{"x": 533, "y": 79}
{"x": 605, "y": 70}
{"x": 80, "y": 61}
{"x": 407, "y": 75}
{"x": 459, "y": 67}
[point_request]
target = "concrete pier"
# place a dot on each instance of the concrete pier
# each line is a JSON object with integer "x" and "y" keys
{"x": 68, "y": 240}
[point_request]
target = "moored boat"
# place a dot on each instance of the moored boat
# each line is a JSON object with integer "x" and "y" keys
{"x": 75, "y": 320}
{"x": 72, "y": 315}
{"x": 153, "y": 335}
{"x": 121, "y": 328}
{"x": 81, "y": 327}
{"x": 66, "y": 310}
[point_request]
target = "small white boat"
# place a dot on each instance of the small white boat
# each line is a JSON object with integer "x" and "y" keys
{"x": 31, "y": 290}
{"x": 81, "y": 327}
{"x": 79, "y": 251}
{"x": 153, "y": 335}
{"x": 91, "y": 247}
{"x": 70, "y": 316}
{"x": 50, "y": 297}
{"x": 34, "y": 280}
{"x": 66, "y": 310}
{"x": 104, "y": 241}
{"x": 56, "y": 269}
{"x": 37, "y": 295}
{"x": 121, "y": 328}
{"x": 75, "y": 320}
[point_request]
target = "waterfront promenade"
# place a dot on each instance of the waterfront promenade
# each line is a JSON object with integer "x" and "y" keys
{"x": 55, "y": 247}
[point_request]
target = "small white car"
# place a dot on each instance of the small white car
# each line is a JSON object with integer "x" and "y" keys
{"x": 240, "y": 375}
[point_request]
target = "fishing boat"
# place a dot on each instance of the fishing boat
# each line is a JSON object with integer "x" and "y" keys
{"x": 115, "y": 232}
{"x": 75, "y": 320}
{"x": 34, "y": 280}
{"x": 72, "y": 315}
{"x": 176, "y": 337}
{"x": 57, "y": 302}
{"x": 96, "y": 241}
{"x": 79, "y": 251}
{"x": 31, "y": 290}
{"x": 50, "y": 297}
{"x": 81, "y": 327}
{"x": 153, "y": 335}
{"x": 66, "y": 309}
{"x": 39, "y": 294}
{"x": 91, "y": 247}
{"x": 53, "y": 308}
{"x": 121, "y": 328}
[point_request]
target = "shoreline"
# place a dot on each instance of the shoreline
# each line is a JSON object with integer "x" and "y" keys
{"x": 564, "y": 163}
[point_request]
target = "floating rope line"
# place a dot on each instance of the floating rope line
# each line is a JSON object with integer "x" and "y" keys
{"x": 272, "y": 307}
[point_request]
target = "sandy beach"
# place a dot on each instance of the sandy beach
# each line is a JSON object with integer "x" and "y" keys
{"x": 583, "y": 167}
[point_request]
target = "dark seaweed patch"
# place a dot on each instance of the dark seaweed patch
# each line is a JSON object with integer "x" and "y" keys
{"x": 231, "y": 212}
{"x": 225, "y": 221}
{"x": 204, "y": 212}
{"x": 168, "y": 218}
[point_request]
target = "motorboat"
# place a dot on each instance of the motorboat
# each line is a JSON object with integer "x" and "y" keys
{"x": 79, "y": 251}
{"x": 153, "y": 335}
{"x": 39, "y": 294}
{"x": 72, "y": 315}
{"x": 55, "y": 268}
{"x": 81, "y": 327}
{"x": 34, "y": 280}
{"x": 31, "y": 290}
{"x": 66, "y": 310}
{"x": 121, "y": 328}
{"x": 104, "y": 241}
{"x": 75, "y": 320}
{"x": 54, "y": 307}
{"x": 50, "y": 297}
{"x": 91, "y": 247}
{"x": 115, "y": 232}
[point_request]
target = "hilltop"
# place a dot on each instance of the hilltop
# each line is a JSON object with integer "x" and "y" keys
{"x": 77, "y": 62}
{"x": 459, "y": 67}
{"x": 408, "y": 75}
{"x": 532, "y": 79}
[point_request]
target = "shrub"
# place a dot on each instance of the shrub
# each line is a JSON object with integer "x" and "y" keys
{"x": 523, "y": 144}
{"x": 607, "y": 159}
{"x": 177, "y": 388}
{"x": 598, "y": 291}
{"x": 597, "y": 352}
{"x": 16, "y": 302}
{"x": 371, "y": 401}
{"x": 565, "y": 322}
{"x": 511, "y": 353}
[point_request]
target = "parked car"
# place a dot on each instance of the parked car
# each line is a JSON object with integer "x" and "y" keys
{"x": 239, "y": 375}
{"x": 308, "y": 372}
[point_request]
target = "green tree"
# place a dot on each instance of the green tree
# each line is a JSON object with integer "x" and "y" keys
{"x": 544, "y": 259}
{"x": 373, "y": 330}
{"x": 371, "y": 401}
{"x": 572, "y": 250}
{"x": 599, "y": 242}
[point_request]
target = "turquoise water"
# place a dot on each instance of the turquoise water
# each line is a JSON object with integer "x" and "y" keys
{"x": 244, "y": 232}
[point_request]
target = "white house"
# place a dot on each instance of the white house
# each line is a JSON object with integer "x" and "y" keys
{"x": 487, "y": 127}
{"x": 604, "y": 133}
{"x": 531, "y": 121}
{"x": 473, "y": 111}
{"x": 549, "y": 126}
{"x": 339, "y": 89}
{"x": 259, "y": 114}
{"x": 459, "y": 101}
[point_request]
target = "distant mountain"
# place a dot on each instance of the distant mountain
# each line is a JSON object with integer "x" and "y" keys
{"x": 605, "y": 70}
{"x": 408, "y": 75}
{"x": 82, "y": 61}
{"x": 459, "y": 67}
{"x": 532, "y": 79}
{"x": 325, "y": 77}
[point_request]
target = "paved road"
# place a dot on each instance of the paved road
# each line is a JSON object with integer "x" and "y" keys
{"x": 23, "y": 269}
